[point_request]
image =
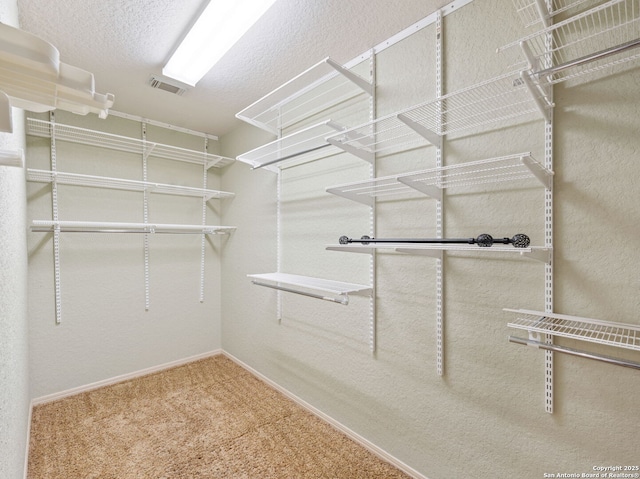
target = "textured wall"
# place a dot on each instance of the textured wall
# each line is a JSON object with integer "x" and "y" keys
{"x": 14, "y": 365}
{"x": 485, "y": 417}
{"x": 105, "y": 330}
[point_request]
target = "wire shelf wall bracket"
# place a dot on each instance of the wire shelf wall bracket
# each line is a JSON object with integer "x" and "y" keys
{"x": 537, "y": 323}
{"x": 328, "y": 290}
{"x": 321, "y": 86}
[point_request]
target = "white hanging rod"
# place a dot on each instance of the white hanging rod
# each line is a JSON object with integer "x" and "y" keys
{"x": 116, "y": 227}
{"x": 589, "y": 58}
{"x": 45, "y": 176}
{"x": 344, "y": 300}
{"x": 575, "y": 352}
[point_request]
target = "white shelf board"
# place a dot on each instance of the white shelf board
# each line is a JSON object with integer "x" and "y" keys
{"x": 74, "y": 134}
{"x": 12, "y": 158}
{"x": 434, "y": 250}
{"x": 621, "y": 335}
{"x": 306, "y": 144}
{"x": 577, "y": 42}
{"x": 122, "y": 227}
{"x": 432, "y": 181}
{"x": 45, "y": 176}
{"x": 336, "y": 288}
{"x": 319, "y": 87}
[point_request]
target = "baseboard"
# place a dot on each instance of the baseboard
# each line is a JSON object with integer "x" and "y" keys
{"x": 381, "y": 453}
{"x": 26, "y": 447}
{"x": 119, "y": 379}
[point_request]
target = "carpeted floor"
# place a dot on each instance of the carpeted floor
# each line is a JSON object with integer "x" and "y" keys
{"x": 207, "y": 419}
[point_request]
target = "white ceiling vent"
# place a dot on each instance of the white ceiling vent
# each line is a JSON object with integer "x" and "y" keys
{"x": 167, "y": 84}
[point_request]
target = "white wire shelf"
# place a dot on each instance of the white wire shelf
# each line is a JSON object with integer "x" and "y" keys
{"x": 304, "y": 145}
{"x": 620, "y": 335}
{"x": 328, "y": 290}
{"x": 45, "y": 176}
{"x": 12, "y": 158}
{"x": 606, "y": 35}
{"x": 74, "y": 134}
{"x": 316, "y": 89}
{"x": 432, "y": 181}
{"x": 118, "y": 227}
{"x": 537, "y": 253}
{"x": 506, "y": 97}
{"x": 532, "y": 12}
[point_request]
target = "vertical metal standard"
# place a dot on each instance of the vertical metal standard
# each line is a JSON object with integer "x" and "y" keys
{"x": 204, "y": 218}
{"x": 56, "y": 227}
{"x": 439, "y": 212}
{"x": 548, "y": 231}
{"x": 279, "y": 225}
{"x": 145, "y": 215}
{"x": 373, "y": 328}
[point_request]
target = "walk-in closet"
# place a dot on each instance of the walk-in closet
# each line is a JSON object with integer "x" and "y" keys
{"x": 365, "y": 239}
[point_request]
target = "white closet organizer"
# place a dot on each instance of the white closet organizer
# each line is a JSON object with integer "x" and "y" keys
{"x": 431, "y": 183}
{"x": 609, "y": 333}
{"x": 127, "y": 144}
{"x": 45, "y": 176}
{"x": 12, "y": 158}
{"x": 146, "y": 149}
{"x": 115, "y": 227}
{"x": 323, "y": 88}
{"x": 335, "y": 291}
{"x": 316, "y": 90}
{"x": 599, "y": 38}
{"x": 536, "y": 11}
{"x": 588, "y": 42}
{"x": 503, "y": 98}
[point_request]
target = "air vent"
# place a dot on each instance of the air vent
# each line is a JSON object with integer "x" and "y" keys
{"x": 162, "y": 83}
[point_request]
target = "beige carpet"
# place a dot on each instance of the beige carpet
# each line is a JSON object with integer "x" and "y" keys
{"x": 207, "y": 419}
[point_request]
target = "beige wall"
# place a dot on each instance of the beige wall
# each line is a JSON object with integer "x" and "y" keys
{"x": 485, "y": 417}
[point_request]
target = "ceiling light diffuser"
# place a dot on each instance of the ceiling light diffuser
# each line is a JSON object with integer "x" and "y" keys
{"x": 219, "y": 27}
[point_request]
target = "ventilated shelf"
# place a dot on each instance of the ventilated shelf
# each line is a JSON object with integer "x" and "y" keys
{"x": 506, "y": 97}
{"x": 12, "y": 158}
{"x": 45, "y": 176}
{"x": 328, "y": 290}
{"x": 318, "y": 88}
{"x": 621, "y": 335}
{"x": 537, "y": 253}
{"x": 116, "y": 227}
{"x": 110, "y": 141}
{"x": 536, "y": 11}
{"x": 432, "y": 181}
{"x": 601, "y": 37}
{"x": 304, "y": 145}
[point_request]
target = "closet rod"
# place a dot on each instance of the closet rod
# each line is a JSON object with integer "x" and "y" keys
{"x": 575, "y": 352}
{"x": 344, "y": 301}
{"x": 293, "y": 155}
{"x": 589, "y": 58}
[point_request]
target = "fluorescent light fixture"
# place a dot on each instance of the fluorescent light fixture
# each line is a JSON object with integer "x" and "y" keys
{"x": 218, "y": 28}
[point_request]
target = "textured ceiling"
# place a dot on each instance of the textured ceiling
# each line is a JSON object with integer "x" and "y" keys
{"x": 123, "y": 42}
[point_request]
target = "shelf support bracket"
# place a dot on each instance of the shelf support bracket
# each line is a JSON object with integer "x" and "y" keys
{"x": 427, "y": 134}
{"x": 358, "y": 80}
{"x": 362, "y": 154}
